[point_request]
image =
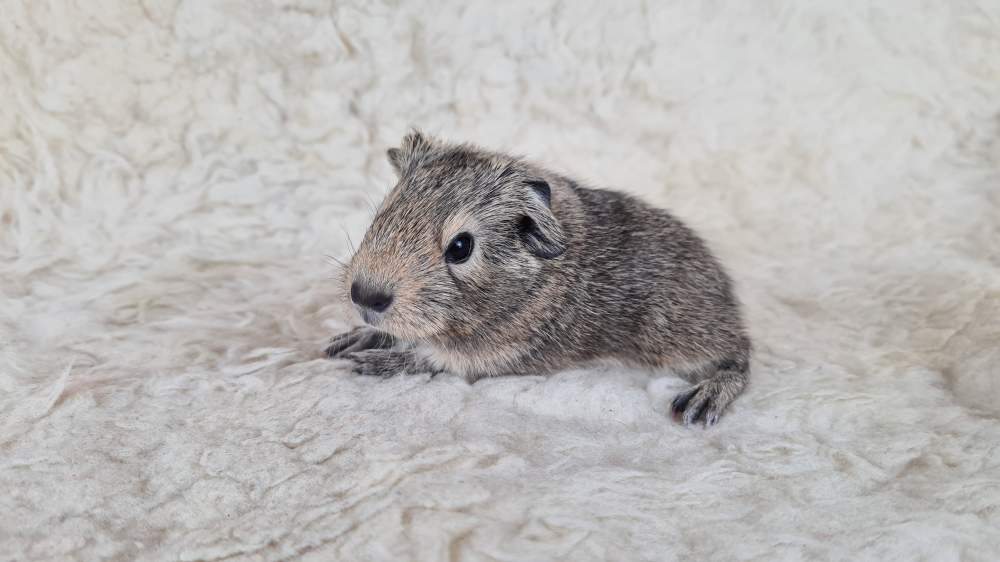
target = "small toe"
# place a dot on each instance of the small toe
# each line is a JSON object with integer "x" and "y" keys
{"x": 711, "y": 419}
{"x": 714, "y": 412}
{"x": 680, "y": 402}
{"x": 358, "y": 339}
{"x": 696, "y": 408}
{"x": 337, "y": 345}
{"x": 340, "y": 343}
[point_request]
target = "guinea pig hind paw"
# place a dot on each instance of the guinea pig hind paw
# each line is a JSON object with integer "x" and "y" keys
{"x": 702, "y": 403}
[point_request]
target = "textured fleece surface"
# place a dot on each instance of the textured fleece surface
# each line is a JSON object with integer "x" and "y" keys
{"x": 173, "y": 175}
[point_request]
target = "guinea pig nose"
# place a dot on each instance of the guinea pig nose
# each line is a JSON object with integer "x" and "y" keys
{"x": 368, "y": 297}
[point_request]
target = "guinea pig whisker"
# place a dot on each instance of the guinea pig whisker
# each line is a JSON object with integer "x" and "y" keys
{"x": 334, "y": 261}
{"x": 350, "y": 242}
{"x": 372, "y": 208}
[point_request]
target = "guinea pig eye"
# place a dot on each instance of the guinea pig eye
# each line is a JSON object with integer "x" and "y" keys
{"x": 459, "y": 249}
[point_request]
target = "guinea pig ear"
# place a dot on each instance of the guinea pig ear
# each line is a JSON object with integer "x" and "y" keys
{"x": 411, "y": 151}
{"x": 538, "y": 227}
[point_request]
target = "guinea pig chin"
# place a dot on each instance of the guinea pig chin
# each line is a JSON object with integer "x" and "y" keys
{"x": 370, "y": 317}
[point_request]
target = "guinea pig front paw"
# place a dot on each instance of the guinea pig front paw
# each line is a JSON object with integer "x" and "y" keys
{"x": 358, "y": 339}
{"x": 380, "y": 362}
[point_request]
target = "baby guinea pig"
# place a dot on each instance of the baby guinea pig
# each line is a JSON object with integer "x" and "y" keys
{"x": 481, "y": 264}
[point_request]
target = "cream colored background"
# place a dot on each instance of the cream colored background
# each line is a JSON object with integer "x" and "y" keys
{"x": 173, "y": 173}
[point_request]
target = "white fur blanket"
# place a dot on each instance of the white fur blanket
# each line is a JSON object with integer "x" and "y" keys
{"x": 173, "y": 174}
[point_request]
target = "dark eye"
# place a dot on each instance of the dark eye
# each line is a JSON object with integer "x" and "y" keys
{"x": 459, "y": 249}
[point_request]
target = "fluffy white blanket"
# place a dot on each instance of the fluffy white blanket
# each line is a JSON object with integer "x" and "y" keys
{"x": 173, "y": 174}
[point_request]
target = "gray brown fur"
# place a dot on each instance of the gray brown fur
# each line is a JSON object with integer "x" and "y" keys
{"x": 560, "y": 276}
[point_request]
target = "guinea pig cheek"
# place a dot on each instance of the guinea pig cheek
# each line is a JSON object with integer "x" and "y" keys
{"x": 472, "y": 277}
{"x": 413, "y": 316}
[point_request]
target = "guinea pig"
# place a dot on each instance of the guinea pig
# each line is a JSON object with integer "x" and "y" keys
{"x": 483, "y": 264}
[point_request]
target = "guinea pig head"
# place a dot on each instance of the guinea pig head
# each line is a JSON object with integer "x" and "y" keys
{"x": 458, "y": 246}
